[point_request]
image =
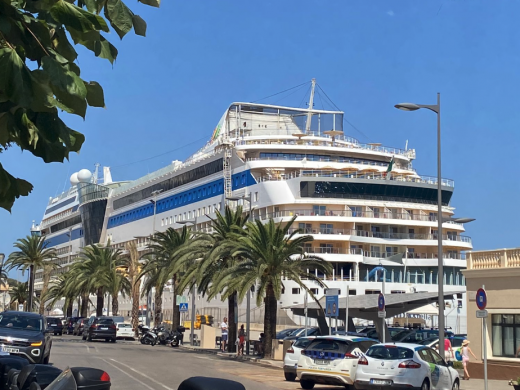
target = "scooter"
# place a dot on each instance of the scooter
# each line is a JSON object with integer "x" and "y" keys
{"x": 164, "y": 335}
{"x": 147, "y": 336}
{"x": 178, "y": 336}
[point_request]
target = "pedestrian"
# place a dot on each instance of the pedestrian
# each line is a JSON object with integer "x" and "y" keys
{"x": 224, "y": 329}
{"x": 241, "y": 340}
{"x": 261, "y": 341}
{"x": 448, "y": 350}
{"x": 465, "y": 358}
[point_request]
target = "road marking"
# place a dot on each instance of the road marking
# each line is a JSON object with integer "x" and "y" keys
{"x": 140, "y": 373}
{"x": 96, "y": 348}
{"x": 126, "y": 373}
{"x": 88, "y": 348}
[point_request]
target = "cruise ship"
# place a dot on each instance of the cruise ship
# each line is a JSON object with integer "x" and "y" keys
{"x": 365, "y": 205}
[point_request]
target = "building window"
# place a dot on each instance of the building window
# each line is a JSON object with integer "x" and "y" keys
{"x": 315, "y": 291}
{"x": 505, "y": 336}
{"x": 255, "y": 198}
{"x": 296, "y": 290}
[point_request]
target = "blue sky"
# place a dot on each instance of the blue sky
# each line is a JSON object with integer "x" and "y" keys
{"x": 171, "y": 88}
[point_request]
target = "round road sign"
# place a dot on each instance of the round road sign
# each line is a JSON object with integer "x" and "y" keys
{"x": 381, "y": 302}
{"x": 481, "y": 299}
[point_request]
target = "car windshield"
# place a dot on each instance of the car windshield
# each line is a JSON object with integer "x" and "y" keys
{"x": 105, "y": 321}
{"x": 428, "y": 341}
{"x": 124, "y": 326}
{"x": 329, "y": 345}
{"x": 399, "y": 335}
{"x": 20, "y": 321}
{"x": 389, "y": 352}
{"x": 302, "y": 343}
{"x": 53, "y": 321}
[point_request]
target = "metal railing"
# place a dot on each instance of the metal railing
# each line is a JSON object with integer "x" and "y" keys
{"x": 354, "y": 214}
{"x": 356, "y": 175}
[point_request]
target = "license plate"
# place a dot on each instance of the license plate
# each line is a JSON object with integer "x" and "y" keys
{"x": 103, "y": 328}
{"x": 54, "y": 325}
{"x": 380, "y": 382}
{"x": 10, "y": 350}
{"x": 323, "y": 362}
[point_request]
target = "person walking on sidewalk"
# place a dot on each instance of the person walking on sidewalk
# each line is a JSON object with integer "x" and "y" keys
{"x": 224, "y": 329}
{"x": 465, "y": 358}
{"x": 448, "y": 350}
{"x": 241, "y": 340}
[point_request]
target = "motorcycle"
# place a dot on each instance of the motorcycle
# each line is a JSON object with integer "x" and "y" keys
{"x": 164, "y": 335}
{"x": 178, "y": 336}
{"x": 147, "y": 336}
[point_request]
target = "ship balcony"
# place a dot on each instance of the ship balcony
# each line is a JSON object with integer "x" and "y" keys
{"x": 353, "y": 174}
{"x": 399, "y": 218}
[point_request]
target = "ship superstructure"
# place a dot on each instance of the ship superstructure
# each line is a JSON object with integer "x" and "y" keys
{"x": 364, "y": 204}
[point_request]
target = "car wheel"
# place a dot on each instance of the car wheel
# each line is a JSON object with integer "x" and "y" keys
{"x": 89, "y": 338}
{"x": 425, "y": 385}
{"x": 83, "y": 337}
{"x": 107, "y": 340}
{"x": 289, "y": 376}
{"x": 455, "y": 385}
{"x": 113, "y": 340}
{"x": 307, "y": 385}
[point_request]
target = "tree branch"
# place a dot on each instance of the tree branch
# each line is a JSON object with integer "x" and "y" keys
{"x": 6, "y": 41}
{"x": 37, "y": 40}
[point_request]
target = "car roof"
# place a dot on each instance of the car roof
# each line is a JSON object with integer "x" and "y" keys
{"x": 343, "y": 338}
{"x": 24, "y": 313}
{"x": 404, "y": 345}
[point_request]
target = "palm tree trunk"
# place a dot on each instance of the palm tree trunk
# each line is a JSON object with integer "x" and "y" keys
{"x": 135, "y": 307}
{"x": 84, "y": 305}
{"x": 176, "y": 317}
{"x": 232, "y": 326}
{"x": 69, "y": 308}
{"x": 115, "y": 304}
{"x": 158, "y": 306}
{"x": 100, "y": 302}
{"x": 30, "y": 298}
{"x": 270, "y": 320}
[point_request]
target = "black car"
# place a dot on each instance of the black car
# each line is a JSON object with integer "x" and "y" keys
{"x": 284, "y": 333}
{"x": 100, "y": 328}
{"x": 56, "y": 325}
{"x": 71, "y": 324}
{"x": 313, "y": 331}
{"x": 26, "y": 335}
{"x": 79, "y": 326}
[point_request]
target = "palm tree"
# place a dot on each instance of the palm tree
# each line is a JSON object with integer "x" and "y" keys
{"x": 93, "y": 272}
{"x": 270, "y": 252}
{"x": 168, "y": 260}
{"x": 132, "y": 269}
{"x": 18, "y": 293}
{"x": 118, "y": 283}
{"x": 215, "y": 251}
{"x": 61, "y": 288}
{"x": 155, "y": 278}
{"x": 32, "y": 254}
{"x": 48, "y": 267}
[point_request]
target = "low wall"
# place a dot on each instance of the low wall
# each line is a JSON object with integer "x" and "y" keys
{"x": 496, "y": 370}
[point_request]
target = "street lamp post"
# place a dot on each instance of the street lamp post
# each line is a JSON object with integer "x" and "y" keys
{"x": 192, "y": 327}
{"x": 248, "y": 296}
{"x": 149, "y": 297}
{"x": 2, "y": 257}
{"x": 440, "y": 273}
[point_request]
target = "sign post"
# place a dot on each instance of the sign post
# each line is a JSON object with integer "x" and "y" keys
{"x": 331, "y": 305}
{"x": 382, "y": 314}
{"x": 346, "y": 309}
{"x": 481, "y": 300}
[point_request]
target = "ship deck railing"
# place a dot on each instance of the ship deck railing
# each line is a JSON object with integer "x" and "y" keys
{"x": 413, "y": 178}
{"x": 379, "y": 254}
{"x": 354, "y": 214}
{"x": 392, "y": 236}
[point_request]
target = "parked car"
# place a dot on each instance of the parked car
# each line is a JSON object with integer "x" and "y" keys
{"x": 284, "y": 333}
{"x": 433, "y": 342}
{"x": 79, "y": 326}
{"x": 292, "y": 355}
{"x": 100, "y": 328}
{"x": 117, "y": 319}
{"x": 331, "y": 360}
{"x": 56, "y": 325}
{"x": 70, "y": 324}
{"x": 418, "y": 335}
{"x": 124, "y": 331}
{"x": 25, "y": 334}
{"x": 404, "y": 365}
{"x": 300, "y": 332}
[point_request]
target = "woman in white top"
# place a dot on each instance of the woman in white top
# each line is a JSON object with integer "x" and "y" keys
{"x": 465, "y": 351}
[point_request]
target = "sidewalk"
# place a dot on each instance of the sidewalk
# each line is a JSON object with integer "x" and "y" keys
{"x": 478, "y": 384}
{"x": 233, "y": 356}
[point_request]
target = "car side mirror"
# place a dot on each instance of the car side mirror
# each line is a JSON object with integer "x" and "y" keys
{"x": 450, "y": 363}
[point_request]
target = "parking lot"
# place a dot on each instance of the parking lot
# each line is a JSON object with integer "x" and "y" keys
{"x": 135, "y": 366}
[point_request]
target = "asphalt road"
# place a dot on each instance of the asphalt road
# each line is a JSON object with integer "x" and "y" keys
{"x": 133, "y": 366}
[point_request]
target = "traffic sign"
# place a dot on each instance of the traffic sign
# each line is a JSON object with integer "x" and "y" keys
{"x": 381, "y": 302}
{"x": 332, "y": 306}
{"x": 482, "y": 313}
{"x": 183, "y": 307}
{"x": 330, "y": 292}
{"x": 181, "y": 299}
{"x": 481, "y": 299}
{"x": 381, "y": 314}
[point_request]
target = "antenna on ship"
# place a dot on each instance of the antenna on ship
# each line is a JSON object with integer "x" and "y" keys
{"x": 311, "y": 105}
{"x": 95, "y": 175}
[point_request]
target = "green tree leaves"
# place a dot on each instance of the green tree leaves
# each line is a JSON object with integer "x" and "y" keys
{"x": 39, "y": 79}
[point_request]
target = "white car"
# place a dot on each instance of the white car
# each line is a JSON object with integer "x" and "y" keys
{"x": 292, "y": 355}
{"x": 331, "y": 360}
{"x": 124, "y": 331}
{"x": 404, "y": 366}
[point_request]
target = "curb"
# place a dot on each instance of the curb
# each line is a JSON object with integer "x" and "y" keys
{"x": 254, "y": 360}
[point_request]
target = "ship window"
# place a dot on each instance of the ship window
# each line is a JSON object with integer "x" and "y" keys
{"x": 255, "y": 198}
{"x": 315, "y": 291}
{"x": 243, "y": 179}
{"x": 204, "y": 192}
{"x": 220, "y": 186}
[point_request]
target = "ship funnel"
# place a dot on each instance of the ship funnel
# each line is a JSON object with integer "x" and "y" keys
{"x": 107, "y": 175}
